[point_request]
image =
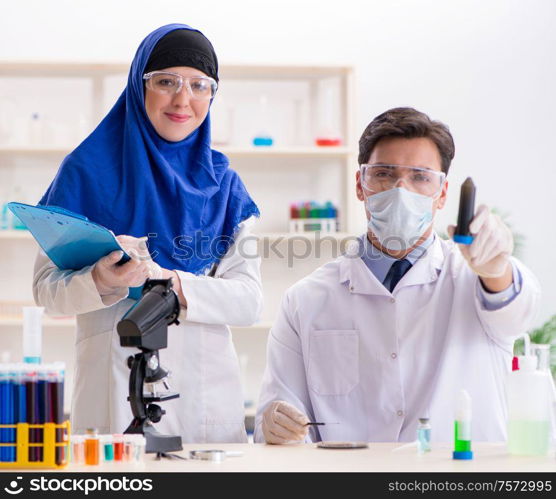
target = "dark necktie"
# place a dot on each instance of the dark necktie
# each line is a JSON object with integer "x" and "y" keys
{"x": 397, "y": 271}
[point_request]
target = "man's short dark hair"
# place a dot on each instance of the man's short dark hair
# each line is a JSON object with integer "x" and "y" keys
{"x": 408, "y": 123}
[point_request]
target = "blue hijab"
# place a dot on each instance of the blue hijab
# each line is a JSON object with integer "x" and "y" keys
{"x": 126, "y": 177}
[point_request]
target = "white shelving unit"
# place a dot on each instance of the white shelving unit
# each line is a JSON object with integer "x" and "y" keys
{"x": 235, "y": 152}
{"x": 293, "y": 169}
{"x": 272, "y": 236}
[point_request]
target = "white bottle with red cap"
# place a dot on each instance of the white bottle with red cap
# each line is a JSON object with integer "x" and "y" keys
{"x": 529, "y": 395}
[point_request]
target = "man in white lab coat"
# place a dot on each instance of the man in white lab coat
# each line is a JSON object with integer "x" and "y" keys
{"x": 391, "y": 331}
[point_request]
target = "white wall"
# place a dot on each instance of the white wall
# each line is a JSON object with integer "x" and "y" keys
{"x": 486, "y": 68}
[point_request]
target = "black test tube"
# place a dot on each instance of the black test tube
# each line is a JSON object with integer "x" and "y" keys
{"x": 465, "y": 213}
{"x": 43, "y": 407}
{"x": 56, "y": 396}
{"x": 32, "y": 403}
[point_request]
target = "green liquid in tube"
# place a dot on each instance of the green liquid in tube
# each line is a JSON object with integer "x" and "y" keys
{"x": 462, "y": 436}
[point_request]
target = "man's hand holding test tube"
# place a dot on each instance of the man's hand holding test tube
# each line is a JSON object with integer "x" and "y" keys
{"x": 485, "y": 241}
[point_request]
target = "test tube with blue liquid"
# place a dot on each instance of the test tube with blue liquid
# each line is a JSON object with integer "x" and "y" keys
{"x": 20, "y": 392}
{"x": 7, "y": 412}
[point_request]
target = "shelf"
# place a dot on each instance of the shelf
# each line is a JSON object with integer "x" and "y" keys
{"x": 226, "y": 71}
{"x": 6, "y": 322}
{"x": 236, "y": 152}
{"x": 35, "y": 150}
{"x": 275, "y": 236}
{"x": 273, "y": 151}
{"x": 271, "y": 236}
{"x": 61, "y": 69}
{"x": 16, "y": 234}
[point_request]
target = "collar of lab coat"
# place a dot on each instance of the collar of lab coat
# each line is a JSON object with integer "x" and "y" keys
{"x": 360, "y": 279}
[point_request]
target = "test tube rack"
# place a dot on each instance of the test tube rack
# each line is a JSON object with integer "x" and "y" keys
{"x": 49, "y": 445}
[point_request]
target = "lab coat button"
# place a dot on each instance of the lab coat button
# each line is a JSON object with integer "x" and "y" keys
{"x": 392, "y": 300}
{"x": 393, "y": 355}
{"x": 351, "y": 288}
{"x": 400, "y": 413}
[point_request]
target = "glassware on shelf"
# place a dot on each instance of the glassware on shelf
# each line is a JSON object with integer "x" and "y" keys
{"x": 36, "y": 129}
{"x": 8, "y": 221}
{"x": 5, "y": 217}
{"x": 5, "y": 213}
{"x": 328, "y": 133}
{"x": 7, "y": 114}
{"x": 82, "y": 129}
{"x": 221, "y": 122}
{"x": 263, "y": 136}
{"x": 310, "y": 216}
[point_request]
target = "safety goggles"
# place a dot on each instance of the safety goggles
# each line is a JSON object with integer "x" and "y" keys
{"x": 198, "y": 87}
{"x": 379, "y": 178}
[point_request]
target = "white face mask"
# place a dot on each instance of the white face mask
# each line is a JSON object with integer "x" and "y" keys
{"x": 399, "y": 217}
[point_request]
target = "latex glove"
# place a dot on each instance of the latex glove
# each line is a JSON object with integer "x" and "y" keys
{"x": 109, "y": 278}
{"x": 489, "y": 253}
{"x": 137, "y": 249}
{"x": 283, "y": 423}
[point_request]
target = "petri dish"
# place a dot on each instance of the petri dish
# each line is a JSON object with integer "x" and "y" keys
{"x": 342, "y": 445}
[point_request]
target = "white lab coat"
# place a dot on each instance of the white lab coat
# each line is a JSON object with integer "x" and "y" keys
{"x": 200, "y": 353}
{"x": 345, "y": 350}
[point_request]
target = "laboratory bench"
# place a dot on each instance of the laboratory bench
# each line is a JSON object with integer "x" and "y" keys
{"x": 378, "y": 457}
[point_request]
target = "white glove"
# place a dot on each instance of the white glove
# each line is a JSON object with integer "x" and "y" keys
{"x": 137, "y": 249}
{"x": 283, "y": 423}
{"x": 489, "y": 253}
{"x": 109, "y": 277}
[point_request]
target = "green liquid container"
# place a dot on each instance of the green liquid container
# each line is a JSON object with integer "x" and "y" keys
{"x": 462, "y": 436}
{"x": 462, "y": 428}
{"x": 529, "y": 393}
{"x": 528, "y": 438}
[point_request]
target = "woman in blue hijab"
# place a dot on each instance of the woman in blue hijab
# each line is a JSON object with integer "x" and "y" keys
{"x": 148, "y": 173}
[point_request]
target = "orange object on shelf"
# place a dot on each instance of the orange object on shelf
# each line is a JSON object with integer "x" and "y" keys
{"x": 327, "y": 141}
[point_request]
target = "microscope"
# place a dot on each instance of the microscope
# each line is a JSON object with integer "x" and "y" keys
{"x": 145, "y": 326}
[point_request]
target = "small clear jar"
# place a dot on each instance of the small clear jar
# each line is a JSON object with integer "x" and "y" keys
{"x": 77, "y": 443}
{"x": 139, "y": 452}
{"x": 129, "y": 447}
{"x": 118, "y": 447}
{"x": 107, "y": 448}
{"x": 423, "y": 436}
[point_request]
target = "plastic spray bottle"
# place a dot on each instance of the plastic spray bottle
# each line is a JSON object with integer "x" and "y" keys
{"x": 529, "y": 396}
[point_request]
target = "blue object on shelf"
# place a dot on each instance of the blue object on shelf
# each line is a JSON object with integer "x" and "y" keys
{"x": 70, "y": 240}
{"x": 263, "y": 141}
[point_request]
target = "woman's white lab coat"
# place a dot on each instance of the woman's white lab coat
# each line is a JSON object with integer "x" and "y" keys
{"x": 200, "y": 353}
{"x": 345, "y": 350}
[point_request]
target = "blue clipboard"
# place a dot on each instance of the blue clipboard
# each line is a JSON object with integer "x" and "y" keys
{"x": 70, "y": 240}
